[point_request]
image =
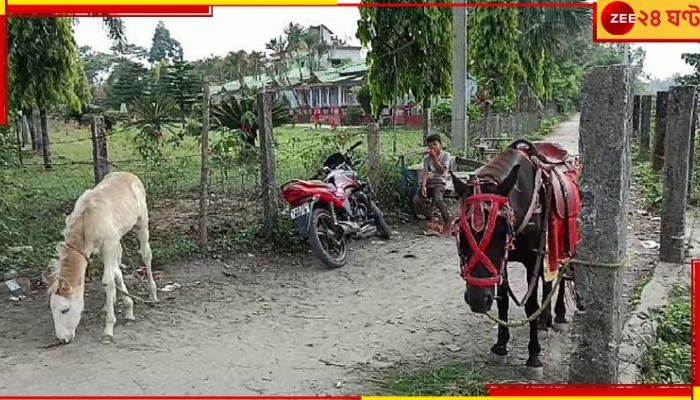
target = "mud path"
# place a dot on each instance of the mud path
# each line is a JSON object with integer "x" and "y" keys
{"x": 256, "y": 325}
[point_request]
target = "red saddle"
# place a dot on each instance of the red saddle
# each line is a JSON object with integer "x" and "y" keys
{"x": 566, "y": 203}
{"x": 553, "y": 153}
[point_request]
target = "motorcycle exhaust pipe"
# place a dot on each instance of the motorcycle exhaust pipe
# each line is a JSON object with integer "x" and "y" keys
{"x": 348, "y": 228}
{"x": 366, "y": 231}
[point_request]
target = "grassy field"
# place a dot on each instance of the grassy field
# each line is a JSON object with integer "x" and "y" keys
{"x": 43, "y": 198}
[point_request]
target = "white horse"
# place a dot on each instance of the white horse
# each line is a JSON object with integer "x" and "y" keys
{"x": 101, "y": 217}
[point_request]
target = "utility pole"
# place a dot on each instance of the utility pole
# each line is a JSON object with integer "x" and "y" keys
{"x": 459, "y": 68}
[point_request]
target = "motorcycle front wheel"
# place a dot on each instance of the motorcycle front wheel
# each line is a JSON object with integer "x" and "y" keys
{"x": 327, "y": 244}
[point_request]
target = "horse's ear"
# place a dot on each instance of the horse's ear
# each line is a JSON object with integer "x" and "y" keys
{"x": 460, "y": 186}
{"x": 64, "y": 288}
{"x": 507, "y": 185}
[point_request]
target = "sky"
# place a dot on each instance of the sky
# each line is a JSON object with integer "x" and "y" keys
{"x": 249, "y": 28}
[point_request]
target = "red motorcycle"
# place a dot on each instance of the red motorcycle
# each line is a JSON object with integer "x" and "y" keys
{"x": 329, "y": 211}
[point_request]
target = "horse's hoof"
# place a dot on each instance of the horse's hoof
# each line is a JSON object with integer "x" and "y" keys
{"x": 534, "y": 373}
{"x": 106, "y": 339}
{"x": 497, "y": 359}
{"x": 128, "y": 321}
{"x": 561, "y": 326}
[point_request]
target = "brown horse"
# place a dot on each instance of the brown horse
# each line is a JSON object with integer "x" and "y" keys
{"x": 520, "y": 206}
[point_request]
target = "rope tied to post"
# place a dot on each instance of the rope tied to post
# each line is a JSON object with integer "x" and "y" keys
{"x": 565, "y": 266}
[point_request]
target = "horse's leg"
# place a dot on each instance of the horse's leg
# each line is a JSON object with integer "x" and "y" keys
{"x": 123, "y": 292}
{"x": 533, "y": 365}
{"x": 544, "y": 321}
{"x": 110, "y": 259}
{"x": 145, "y": 251}
{"x": 499, "y": 351}
{"x": 560, "y": 321}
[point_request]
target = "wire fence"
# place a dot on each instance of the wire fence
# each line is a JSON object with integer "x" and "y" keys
{"x": 171, "y": 169}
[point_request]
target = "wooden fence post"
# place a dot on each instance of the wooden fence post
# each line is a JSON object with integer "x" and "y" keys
{"x": 100, "y": 157}
{"x": 681, "y": 101}
{"x": 657, "y": 158}
{"x": 268, "y": 178}
{"x": 645, "y": 127}
{"x": 204, "y": 177}
{"x": 605, "y": 145}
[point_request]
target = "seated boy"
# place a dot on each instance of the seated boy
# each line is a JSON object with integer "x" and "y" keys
{"x": 433, "y": 180}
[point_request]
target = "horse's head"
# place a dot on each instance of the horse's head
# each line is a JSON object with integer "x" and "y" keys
{"x": 484, "y": 233}
{"x": 66, "y": 302}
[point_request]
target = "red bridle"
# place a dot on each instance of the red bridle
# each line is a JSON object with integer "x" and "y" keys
{"x": 471, "y": 219}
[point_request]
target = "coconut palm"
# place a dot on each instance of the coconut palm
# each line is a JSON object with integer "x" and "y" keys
{"x": 255, "y": 61}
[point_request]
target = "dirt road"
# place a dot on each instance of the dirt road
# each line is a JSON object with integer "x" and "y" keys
{"x": 261, "y": 326}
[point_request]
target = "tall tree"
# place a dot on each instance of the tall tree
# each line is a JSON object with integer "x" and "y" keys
{"x": 163, "y": 46}
{"x": 296, "y": 45}
{"x": 410, "y": 52}
{"x": 493, "y": 52}
{"x": 185, "y": 87}
{"x": 45, "y": 48}
{"x": 128, "y": 81}
{"x": 547, "y": 37}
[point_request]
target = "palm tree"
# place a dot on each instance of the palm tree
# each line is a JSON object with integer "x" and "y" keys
{"x": 255, "y": 61}
{"x": 548, "y": 35}
{"x": 280, "y": 46}
{"x": 296, "y": 44}
{"x": 315, "y": 46}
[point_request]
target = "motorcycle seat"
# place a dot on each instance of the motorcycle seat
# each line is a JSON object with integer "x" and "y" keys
{"x": 312, "y": 183}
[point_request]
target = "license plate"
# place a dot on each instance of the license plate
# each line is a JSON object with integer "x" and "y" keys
{"x": 297, "y": 212}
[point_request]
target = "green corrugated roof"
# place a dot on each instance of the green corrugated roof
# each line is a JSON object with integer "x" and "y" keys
{"x": 326, "y": 76}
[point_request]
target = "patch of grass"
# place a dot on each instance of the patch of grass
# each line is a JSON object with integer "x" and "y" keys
{"x": 637, "y": 292}
{"x": 668, "y": 361}
{"x": 456, "y": 379}
{"x": 647, "y": 181}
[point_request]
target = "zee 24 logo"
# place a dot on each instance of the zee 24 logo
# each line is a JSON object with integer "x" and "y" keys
{"x": 618, "y": 18}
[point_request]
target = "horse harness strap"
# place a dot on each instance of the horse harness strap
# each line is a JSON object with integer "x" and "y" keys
{"x": 474, "y": 208}
{"x": 77, "y": 250}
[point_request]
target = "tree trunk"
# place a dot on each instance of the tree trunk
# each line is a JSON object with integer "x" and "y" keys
{"x": 426, "y": 117}
{"x": 27, "y": 137}
{"x": 31, "y": 122}
{"x": 19, "y": 132}
{"x": 374, "y": 151}
{"x": 45, "y": 144}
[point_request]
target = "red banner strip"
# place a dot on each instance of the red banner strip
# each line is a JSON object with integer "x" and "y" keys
{"x": 590, "y": 391}
{"x": 115, "y": 10}
{"x": 4, "y": 120}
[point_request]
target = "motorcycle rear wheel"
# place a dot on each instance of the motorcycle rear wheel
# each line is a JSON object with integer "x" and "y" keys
{"x": 328, "y": 245}
{"x": 383, "y": 228}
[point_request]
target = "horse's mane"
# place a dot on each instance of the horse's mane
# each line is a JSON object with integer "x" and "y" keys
{"x": 62, "y": 265}
{"x": 500, "y": 166}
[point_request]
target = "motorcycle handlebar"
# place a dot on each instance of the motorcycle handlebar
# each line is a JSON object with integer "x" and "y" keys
{"x": 354, "y": 146}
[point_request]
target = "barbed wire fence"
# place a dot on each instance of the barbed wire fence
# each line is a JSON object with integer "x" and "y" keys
{"x": 213, "y": 198}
